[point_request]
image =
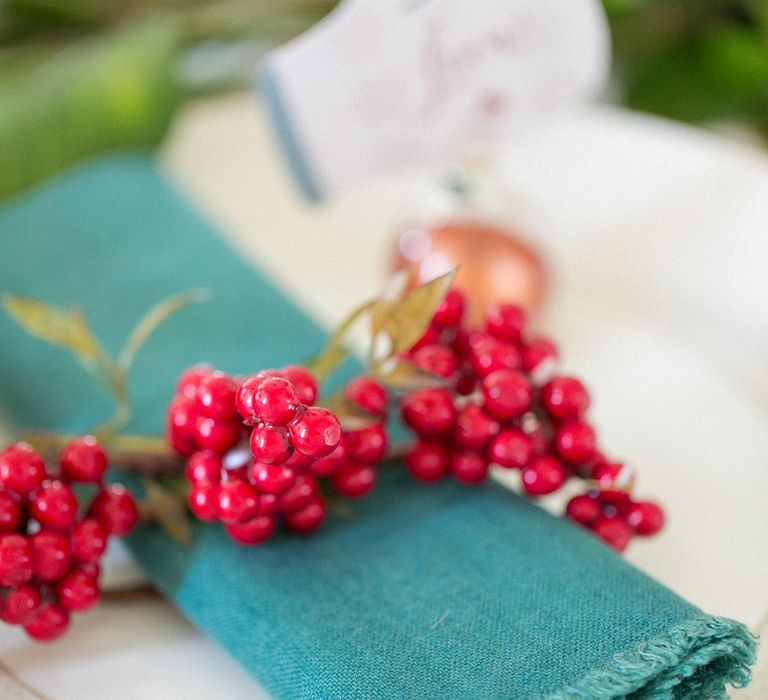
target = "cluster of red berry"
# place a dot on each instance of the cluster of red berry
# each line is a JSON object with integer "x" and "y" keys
{"x": 256, "y": 446}
{"x": 505, "y": 404}
{"x": 49, "y": 551}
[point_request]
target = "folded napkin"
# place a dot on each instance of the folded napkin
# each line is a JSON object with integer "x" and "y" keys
{"x": 416, "y": 592}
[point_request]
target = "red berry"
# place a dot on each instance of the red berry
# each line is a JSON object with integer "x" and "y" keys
{"x": 203, "y": 501}
{"x": 270, "y": 445}
{"x": 84, "y": 459}
{"x": 468, "y": 467}
{"x": 88, "y": 541}
{"x": 49, "y": 622}
{"x": 215, "y": 397}
{"x": 54, "y": 506}
{"x": 16, "y": 560}
{"x": 190, "y": 379}
{"x": 272, "y": 478}
{"x": 507, "y": 394}
{"x": 606, "y": 474}
{"x": 429, "y": 411}
{"x": 367, "y": 393}
{"x": 489, "y": 354}
{"x": 299, "y": 463}
{"x": 354, "y": 480}
{"x": 540, "y": 359}
{"x": 436, "y": 359}
{"x": 218, "y": 436}
{"x": 427, "y": 461}
{"x": 645, "y": 518}
{"x": 10, "y": 512}
{"x": 327, "y": 466}
{"x": 301, "y": 492}
{"x": 450, "y": 310}
{"x": 115, "y": 509}
{"x": 204, "y": 467}
{"x": 575, "y": 442}
{"x": 613, "y": 531}
{"x": 303, "y": 381}
{"x": 308, "y": 518}
{"x": 275, "y": 401}
{"x": 367, "y": 445}
{"x": 237, "y": 502}
{"x": 431, "y": 337}
{"x": 182, "y": 416}
{"x": 244, "y": 397}
{"x": 316, "y": 432}
{"x": 78, "y": 591}
{"x": 511, "y": 449}
{"x": 269, "y": 503}
{"x": 474, "y": 428}
{"x": 565, "y": 398}
{"x": 22, "y": 469}
{"x": 543, "y": 475}
{"x": 20, "y": 604}
{"x": 252, "y": 531}
{"x": 51, "y": 554}
{"x": 584, "y": 509}
{"x": 505, "y": 321}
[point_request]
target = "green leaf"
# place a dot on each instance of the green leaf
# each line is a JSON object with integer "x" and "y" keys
{"x": 156, "y": 316}
{"x": 405, "y": 320}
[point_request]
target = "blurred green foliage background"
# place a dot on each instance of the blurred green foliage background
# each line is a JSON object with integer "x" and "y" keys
{"x": 82, "y": 76}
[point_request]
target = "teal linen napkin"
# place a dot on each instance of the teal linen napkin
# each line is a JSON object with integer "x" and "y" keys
{"x": 418, "y": 592}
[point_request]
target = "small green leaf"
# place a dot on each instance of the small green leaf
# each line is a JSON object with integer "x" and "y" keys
{"x": 406, "y": 319}
{"x": 156, "y": 316}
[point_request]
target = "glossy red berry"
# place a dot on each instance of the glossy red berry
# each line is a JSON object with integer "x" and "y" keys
{"x": 83, "y": 459}
{"x": 584, "y": 509}
{"x": 271, "y": 445}
{"x": 505, "y": 321}
{"x": 329, "y": 465}
{"x": 78, "y": 591}
{"x": 507, "y": 394}
{"x": 20, "y": 604}
{"x": 252, "y": 531}
{"x": 474, "y": 428}
{"x": 211, "y": 434}
{"x": 436, "y": 359}
{"x": 303, "y": 381}
{"x": 429, "y": 411}
{"x": 190, "y": 379}
{"x": 450, "y": 310}
{"x": 22, "y": 469}
{"x": 308, "y": 518}
{"x": 315, "y": 432}
{"x": 115, "y": 509}
{"x": 354, "y": 480}
{"x": 427, "y": 461}
{"x": 16, "y": 560}
{"x": 204, "y": 467}
{"x": 367, "y": 393}
{"x": 565, "y": 398}
{"x": 237, "y": 501}
{"x": 269, "y": 503}
{"x": 272, "y": 478}
{"x": 49, "y": 622}
{"x": 10, "y": 512}
{"x": 511, "y": 449}
{"x": 468, "y": 467}
{"x": 215, "y": 397}
{"x": 88, "y": 541}
{"x": 51, "y": 554}
{"x": 614, "y": 531}
{"x": 543, "y": 475}
{"x": 300, "y": 494}
{"x": 182, "y": 416}
{"x": 366, "y": 445}
{"x": 489, "y": 354}
{"x": 431, "y": 337}
{"x": 54, "y": 505}
{"x": 540, "y": 357}
{"x": 204, "y": 502}
{"x": 575, "y": 442}
{"x": 645, "y": 518}
{"x": 275, "y": 401}
{"x": 244, "y": 397}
